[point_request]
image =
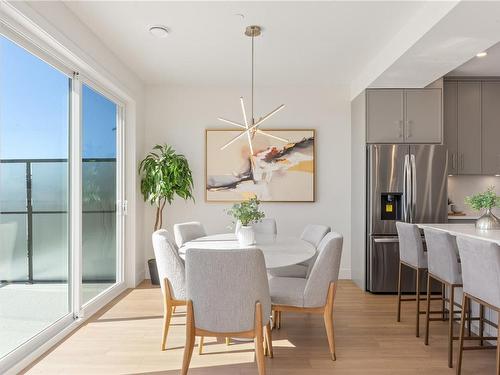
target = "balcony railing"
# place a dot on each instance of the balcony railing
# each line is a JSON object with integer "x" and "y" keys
{"x": 34, "y": 195}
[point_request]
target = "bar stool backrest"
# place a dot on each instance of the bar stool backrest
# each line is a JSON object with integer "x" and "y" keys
{"x": 442, "y": 256}
{"x": 411, "y": 248}
{"x": 480, "y": 269}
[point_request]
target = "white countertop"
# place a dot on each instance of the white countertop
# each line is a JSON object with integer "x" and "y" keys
{"x": 462, "y": 217}
{"x": 466, "y": 230}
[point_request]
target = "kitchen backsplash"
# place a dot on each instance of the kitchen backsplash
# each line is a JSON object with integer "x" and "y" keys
{"x": 461, "y": 186}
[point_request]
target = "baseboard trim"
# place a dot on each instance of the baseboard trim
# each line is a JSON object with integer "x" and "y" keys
{"x": 345, "y": 274}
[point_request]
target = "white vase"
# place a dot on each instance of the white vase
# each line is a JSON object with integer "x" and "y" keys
{"x": 246, "y": 235}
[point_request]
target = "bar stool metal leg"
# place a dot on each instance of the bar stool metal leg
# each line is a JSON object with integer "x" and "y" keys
{"x": 451, "y": 317}
{"x": 465, "y": 302}
{"x": 417, "y": 298}
{"x": 399, "y": 293}
{"x": 428, "y": 308}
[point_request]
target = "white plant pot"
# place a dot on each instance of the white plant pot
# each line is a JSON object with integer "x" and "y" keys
{"x": 246, "y": 235}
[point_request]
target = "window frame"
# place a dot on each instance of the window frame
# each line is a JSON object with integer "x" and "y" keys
{"x": 43, "y": 340}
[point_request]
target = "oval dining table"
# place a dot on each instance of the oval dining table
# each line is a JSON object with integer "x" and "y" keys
{"x": 279, "y": 251}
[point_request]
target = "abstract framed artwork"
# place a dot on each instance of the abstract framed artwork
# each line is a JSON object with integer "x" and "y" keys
{"x": 281, "y": 169}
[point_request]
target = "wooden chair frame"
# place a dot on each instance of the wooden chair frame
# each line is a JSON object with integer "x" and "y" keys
{"x": 466, "y": 302}
{"x": 326, "y": 310}
{"x": 261, "y": 339}
{"x": 417, "y": 297}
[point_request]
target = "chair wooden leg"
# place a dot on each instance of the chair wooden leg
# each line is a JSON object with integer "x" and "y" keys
{"x": 200, "y": 345}
{"x": 465, "y": 301}
{"x": 273, "y": 319}
{"x": 167, "y": 315}
{"x": 328, "y": 318}
{"x": 174, "y": 309}
{"x": 417, "y": 298}
{"x": 269, "y": 340}
{"x": 398, "y": 319}
{"x": 498, "y": 343}
{"x": 481, "y": 324}
{"x": 259, "y": 340}
{"x": 469, "y": 319}
{"x": 443, "y": 302}
{"x": 190, "y": 338}
{"x": 450, "y": 327}
{"x": 428, "y": 308}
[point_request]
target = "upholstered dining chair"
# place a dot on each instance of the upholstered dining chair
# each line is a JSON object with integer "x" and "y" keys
{"x": 480, "y": 262}
{"x": 412, "y": 255}
{"x": 315, "y": 294}
{"x": 444, "y": 267}
{"x": 227, "y": 295}
{"x": 312, "y": 233}
{"x": 185, "y": 232}
{"x": 172, "y": 275}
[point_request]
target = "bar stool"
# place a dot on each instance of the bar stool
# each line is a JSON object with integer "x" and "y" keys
{"x": 412, "y": 255}
{"x": 444, "y": 266}
{"x": 481, "y": 283}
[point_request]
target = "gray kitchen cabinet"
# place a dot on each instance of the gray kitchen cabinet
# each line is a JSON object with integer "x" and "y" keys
{"x": 469, "y": 127}
{"x": 490, "y": 128}
{"x": 450, "y": 99}
{"x": 385, "y": 116}
{"x": 423, "y": 116}
{"x": 404, "y": 116}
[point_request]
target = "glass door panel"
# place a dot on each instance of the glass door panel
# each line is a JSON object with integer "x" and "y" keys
{"x": 99, "y": 193}
{"x": 34, "y": 186}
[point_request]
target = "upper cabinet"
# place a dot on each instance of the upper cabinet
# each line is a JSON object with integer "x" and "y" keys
{"x": 404, "y": 116}
{"x": 472, "y": 126}
{"x": 490, "y": 150}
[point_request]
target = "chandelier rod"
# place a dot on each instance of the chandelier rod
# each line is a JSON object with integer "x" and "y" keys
{"x": 253, "y": 37}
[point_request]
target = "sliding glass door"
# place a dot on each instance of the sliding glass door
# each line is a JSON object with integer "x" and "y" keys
{"x": 34, "y": 186}
{"x": 99, "y": 192}
{"x": 60, "y": 184}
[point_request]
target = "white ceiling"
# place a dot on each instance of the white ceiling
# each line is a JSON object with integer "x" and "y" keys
{"x": 488, "y": 66}
{"x": 303, "y": 43}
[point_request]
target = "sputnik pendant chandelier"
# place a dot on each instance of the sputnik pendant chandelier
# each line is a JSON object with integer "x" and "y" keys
{"x": 252, "y": 127}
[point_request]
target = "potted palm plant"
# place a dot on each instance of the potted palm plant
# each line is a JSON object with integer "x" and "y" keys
{"x": 485, "y": 201}
{"x": 164, "y": 175}
{"x": 246, "y": 213}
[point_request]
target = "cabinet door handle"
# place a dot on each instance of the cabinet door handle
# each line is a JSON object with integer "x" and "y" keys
{"x": 453, "y": 161}
{"x": 462, "y": 162}
{"x": 400, "y": 123}
{"x": 408, "y": 128}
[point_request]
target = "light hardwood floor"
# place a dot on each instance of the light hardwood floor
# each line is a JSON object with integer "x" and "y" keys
{"x": 124, "y": 338}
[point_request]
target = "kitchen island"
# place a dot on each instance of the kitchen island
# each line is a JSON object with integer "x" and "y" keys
{"x": 466, "y": 230}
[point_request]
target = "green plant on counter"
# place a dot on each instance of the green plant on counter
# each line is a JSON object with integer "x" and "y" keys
{"x": 247, "y": 212}
{"x": 486, "y": 200}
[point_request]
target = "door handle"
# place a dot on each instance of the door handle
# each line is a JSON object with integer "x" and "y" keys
{"x": 408, "y": 129}
{"x": 405, "y": 189}
{"x": 454, "y": 161}
{"x": 413, "y": 188}
{"x": 462, "y": 162}
{"x": 386, "y": 240}
{"x": 400, "y": 128}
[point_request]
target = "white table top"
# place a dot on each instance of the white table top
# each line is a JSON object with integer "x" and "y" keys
{"x": 466, "y": 230}
{"x": 279, "y": 251}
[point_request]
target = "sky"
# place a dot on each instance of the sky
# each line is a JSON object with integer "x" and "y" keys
{"x": 34, "y": 110}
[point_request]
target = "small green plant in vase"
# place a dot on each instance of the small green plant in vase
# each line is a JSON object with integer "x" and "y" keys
{"x": 485, "y": 201}
{"x": 245, "y": 214}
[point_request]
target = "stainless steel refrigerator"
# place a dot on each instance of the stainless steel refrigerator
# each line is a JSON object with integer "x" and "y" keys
{"x": 404, "y": 183}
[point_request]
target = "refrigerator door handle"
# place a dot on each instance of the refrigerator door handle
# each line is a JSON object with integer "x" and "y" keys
{"x": 413, "y": 188}
{"x": 405, "y": 189}
{"x": 386, "y": 240}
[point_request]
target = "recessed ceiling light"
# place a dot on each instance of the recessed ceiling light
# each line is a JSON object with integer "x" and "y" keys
{"x": 158, "y": 31}
{"x": 482, "y": 54}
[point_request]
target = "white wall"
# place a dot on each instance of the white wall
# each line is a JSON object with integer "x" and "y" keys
{"x": 179, "y": 116}
{"x": 461, "y": 186}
